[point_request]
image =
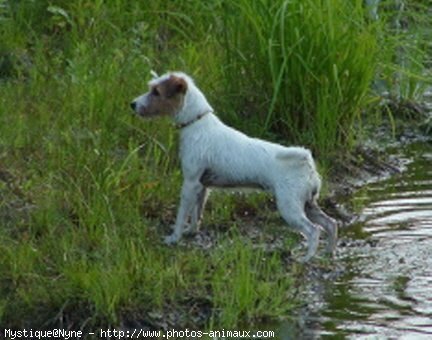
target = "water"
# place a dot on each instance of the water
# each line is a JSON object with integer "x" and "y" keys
{"x": 385, "y": 289}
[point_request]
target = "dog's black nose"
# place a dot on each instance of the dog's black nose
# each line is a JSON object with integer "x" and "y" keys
{"x": 133, "y": 105}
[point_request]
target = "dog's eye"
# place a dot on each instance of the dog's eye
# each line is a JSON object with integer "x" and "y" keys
{"x": 155, "y": 92}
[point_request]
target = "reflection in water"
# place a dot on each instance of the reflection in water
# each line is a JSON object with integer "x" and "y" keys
{"x": 386, "y": 291}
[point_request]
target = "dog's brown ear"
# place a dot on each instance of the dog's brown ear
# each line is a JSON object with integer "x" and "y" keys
{"x": 176, "y": 85}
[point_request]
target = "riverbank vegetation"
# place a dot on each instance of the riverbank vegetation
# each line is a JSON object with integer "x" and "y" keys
{"x": 87, "y": 190}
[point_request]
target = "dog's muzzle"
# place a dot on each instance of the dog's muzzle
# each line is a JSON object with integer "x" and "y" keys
{"x": 133, "y": 106}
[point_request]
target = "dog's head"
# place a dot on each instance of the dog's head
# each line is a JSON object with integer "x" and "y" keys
{"x": 164, "y": 98}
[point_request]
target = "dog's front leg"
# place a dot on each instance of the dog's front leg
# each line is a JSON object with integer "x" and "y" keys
{"x": 190, "y": 190}
{"x": 197, "y": 211}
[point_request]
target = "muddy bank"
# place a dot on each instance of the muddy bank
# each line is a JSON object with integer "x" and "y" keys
{"x": 379, "y": 157}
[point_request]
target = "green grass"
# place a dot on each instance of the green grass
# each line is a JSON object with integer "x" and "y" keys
{"x": 310, "y": 62}
{"x": 87, "y": 191}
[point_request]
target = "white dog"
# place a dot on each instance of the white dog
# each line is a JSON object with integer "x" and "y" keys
{"x": 215, "y": 155}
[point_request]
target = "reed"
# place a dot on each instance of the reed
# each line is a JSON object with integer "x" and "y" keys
{"x": 311, "y": 63}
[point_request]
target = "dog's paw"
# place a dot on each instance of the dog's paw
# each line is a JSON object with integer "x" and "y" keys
{"x": 171, "y": 239}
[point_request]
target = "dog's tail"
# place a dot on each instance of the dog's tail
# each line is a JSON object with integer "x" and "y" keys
{"x": 301, "y": 159}
{"x": 297, "y": 154}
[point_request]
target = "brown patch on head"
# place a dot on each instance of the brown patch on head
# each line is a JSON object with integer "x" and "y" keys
{"x": 165, "y": 98}
{"x": 174, "y": 86}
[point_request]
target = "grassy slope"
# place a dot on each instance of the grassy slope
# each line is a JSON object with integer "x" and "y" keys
{"x": 87, "y": 190}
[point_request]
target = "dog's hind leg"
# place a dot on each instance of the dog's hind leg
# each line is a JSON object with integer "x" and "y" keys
{"x": 294, "y": 215}
{"x": 316, "y": 215}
